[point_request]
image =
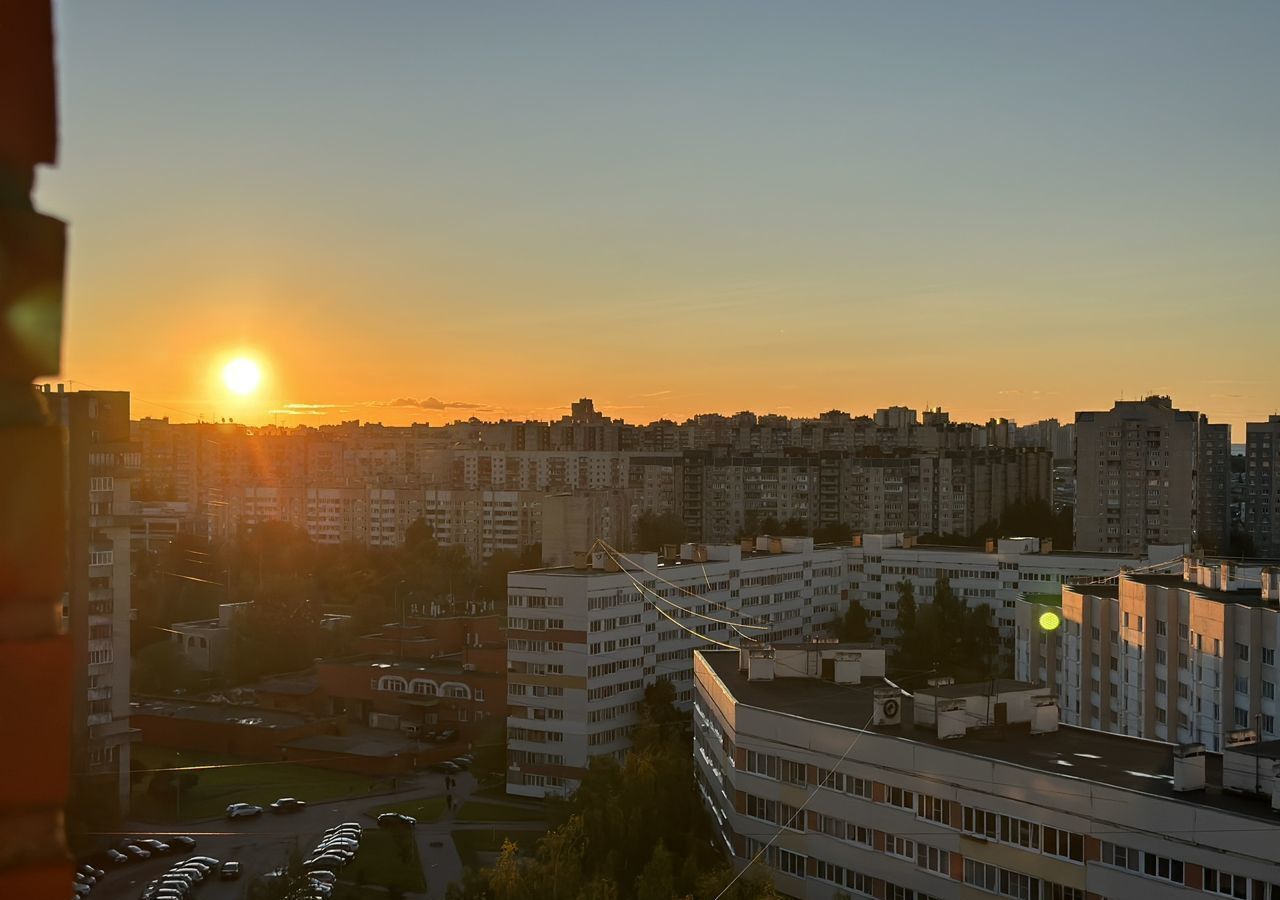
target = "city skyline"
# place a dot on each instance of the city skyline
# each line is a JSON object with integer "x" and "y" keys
{"x": 1018, "y": 213}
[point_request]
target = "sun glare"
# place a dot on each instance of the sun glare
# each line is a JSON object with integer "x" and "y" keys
{"x": 241, "y": 376}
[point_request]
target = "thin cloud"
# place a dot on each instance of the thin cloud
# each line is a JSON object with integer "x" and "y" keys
{"x": 315, "y": 406}
{"x": 289, "y": 411}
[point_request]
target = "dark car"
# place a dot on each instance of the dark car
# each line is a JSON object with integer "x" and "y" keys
{"x": 288, "y": 804}
{"x": 396, "y": 820}
{"x": 446, "y": 736}
{"x": 154, "y": 846}
{"x": 184, "y": 841}
{"x": 461, "y": 762}
{"x": 137, "y": 852}
{"x": 87, "y": 869}
{"x": 448, "y": 768}
{"x": 229, "y": 870}
{"x": 115, "y": 856}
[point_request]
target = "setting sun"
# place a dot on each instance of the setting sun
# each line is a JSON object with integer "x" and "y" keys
{"x": 241, "y": 376}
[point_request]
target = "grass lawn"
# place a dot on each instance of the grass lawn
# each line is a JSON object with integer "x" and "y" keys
{"x": 246, "y": 781}
{"x": 427, "y": 809}
{"x": 483, "y": 811}
{"x": 469, "y": 843}
{"x": 386, "y": 858}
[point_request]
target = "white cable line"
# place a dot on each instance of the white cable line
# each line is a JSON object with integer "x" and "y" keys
{"x": 691, "y": 631}
{"x": 682, "y": 590}
{"x": 735, "y": 626}
{"x": 777, "y": 834}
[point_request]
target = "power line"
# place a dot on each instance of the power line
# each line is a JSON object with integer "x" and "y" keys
{"x": 777, "y": 834}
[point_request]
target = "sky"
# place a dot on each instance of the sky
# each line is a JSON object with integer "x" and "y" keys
{"x": 416, "y": 211}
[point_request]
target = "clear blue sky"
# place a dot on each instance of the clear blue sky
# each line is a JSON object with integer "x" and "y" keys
{"x": 1016, "y": 209}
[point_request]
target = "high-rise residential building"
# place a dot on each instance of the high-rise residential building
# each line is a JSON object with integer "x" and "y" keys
{"x": 1136, "y": 478}
{"x": 1005, "y": 571}
{"x": 573, "y": 522}
{"x": 1262, "y": 485}
{"x": 1213, "y": 486}
{"x": 1182, "y": 656}
{"x": 583, "y": 641}
{"x": 101, "y": 463}
{"x": 845, "y": 787}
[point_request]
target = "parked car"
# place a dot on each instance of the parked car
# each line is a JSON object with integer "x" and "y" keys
{"x": 448, "y": 768}
{"x": 208, "y": 862}
{"x": 468, "y": 758}
{"x": 243, "y": 811}
{"x": 116, "y": 857}
{"x": 328, "y": 861}
{"x": 229, "y": 870}
{"x": 461, "y": 762}
{"x": 184, "y": 841}
{"x": 87, "y": 869}
{"x": 288, "y": 804}
{"x": 446, "y": 736}
{"x": 137, "y": 852}
{"x": 81, "y": 890}
{"x": 322, "y": 875}
{"x": 396, "y": 820}
{"x": 81, "y": 878}
{"x": 154, "y": 846}
{"x": 191, "y": 873}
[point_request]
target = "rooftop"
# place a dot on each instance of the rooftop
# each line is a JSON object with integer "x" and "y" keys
{"x": 248, "y": 716}
{"x": 390, "y": 665}
{"x": 1129, "y": 763}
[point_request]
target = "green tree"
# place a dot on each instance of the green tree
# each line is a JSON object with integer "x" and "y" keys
{"x": 162, "y": 668}
{"x": 658, "y": 879}
{"x": 854, "y": 626}
{"x": 653, "y": 530}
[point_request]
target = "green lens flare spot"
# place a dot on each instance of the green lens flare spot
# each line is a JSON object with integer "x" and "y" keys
{"x": 1050, "y": 621}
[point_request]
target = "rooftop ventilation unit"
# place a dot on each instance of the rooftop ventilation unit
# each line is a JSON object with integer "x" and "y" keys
{"x": 888, "y": 707}
{"x": 1188, "y": 767}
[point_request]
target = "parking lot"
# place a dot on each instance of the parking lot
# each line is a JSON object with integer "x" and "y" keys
{"x": 259, "y": 844}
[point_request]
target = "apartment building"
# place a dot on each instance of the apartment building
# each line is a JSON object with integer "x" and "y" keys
{"x": 1213, "y": 481}
{"x": 1183, "y": 656}
{"x": 1140, "y": 476}
{"x": 573, "y": 522}
{"x": 997, "y": 575}
{"x": 101, "y": 465}
{"x": 1262, "y": 485}
{"x": 583, "y": 641}
{"x": 846, "y": 787}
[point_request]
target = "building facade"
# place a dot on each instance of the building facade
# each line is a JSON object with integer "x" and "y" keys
{"x": 846, "y": 788}
{"x": 1262, "y": 485}
{"x": 1185, "y": 656}
{"x": 101, "y": 463}
{"x": 584, "y": 641}
{"x": 1137, "y": 477}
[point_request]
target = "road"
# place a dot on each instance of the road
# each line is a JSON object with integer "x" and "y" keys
{"x": 264, "y": 843}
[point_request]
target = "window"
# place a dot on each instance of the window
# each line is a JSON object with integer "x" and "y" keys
{"x": 1268, "y": 656}
{"x": 1162, "y": 867}
{"x": 1269, "y": 690}
{"x": 1065, "y": 844}
{"x": 1241, "y": 717}
{"x": 1242, "y": 684}
{"x": 1121, "y": 857}
{"x": 1162, "y": 627}
{"x": 1242, "y": 652}
{"x": 896, "y": 796}
{"x": 788, "y": 863}
{"x": 900, "y": 846}
{"x": 1161, "y": 656}
{"x": 932, "y": 808}
{"x": 981, "y": 875}
{"x": 762, "y": 764}
{"x": 933, "y": 859}
{"x": 793, "y": 772}
{"x": 980, "y": 822}
{"x": 1227, "y": 884}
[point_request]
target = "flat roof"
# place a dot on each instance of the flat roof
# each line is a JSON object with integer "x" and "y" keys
{"x": 995, "y": 686}
{"x": 228, "y": 713}
{"x": 1244, "y": 597}
{"x": 398, "y": 665}
{"x": 1129, "y": 763}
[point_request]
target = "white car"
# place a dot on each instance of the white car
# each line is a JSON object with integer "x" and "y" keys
{"x": 243, "y": 811}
